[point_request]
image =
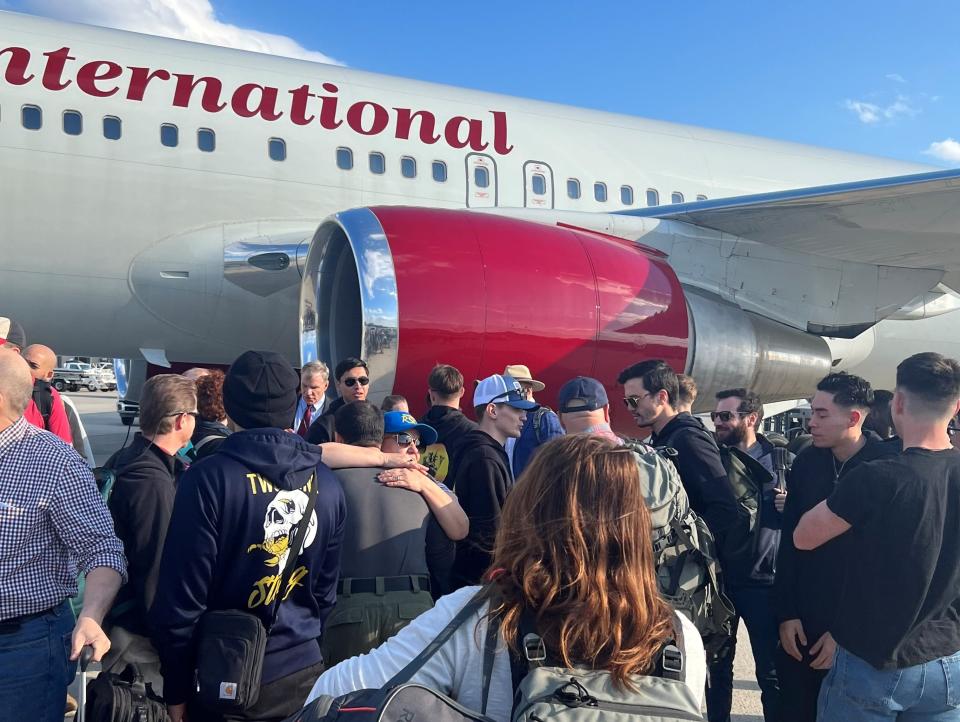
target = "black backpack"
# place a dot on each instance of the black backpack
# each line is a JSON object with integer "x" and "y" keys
{"x": 123, "y": 697}
{"x": 43, "y": 398}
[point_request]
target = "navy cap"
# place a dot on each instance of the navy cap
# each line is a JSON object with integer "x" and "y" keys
{"x": 582, "y": 394}
{"x": 396, "y": 421}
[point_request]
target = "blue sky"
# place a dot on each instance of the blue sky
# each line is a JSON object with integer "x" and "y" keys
{"x": 872, "y": 77}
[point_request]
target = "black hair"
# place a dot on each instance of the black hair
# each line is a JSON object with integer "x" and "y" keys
{"x": 931, "y": 379}
{"x": 880, "y": 420}
{"x": 360, "y": 423}
{"x": 848, "y": 390}
{"x": 347, "y": 364}
{"x": 656, "y": 375}
{"x": 750, "y": 403}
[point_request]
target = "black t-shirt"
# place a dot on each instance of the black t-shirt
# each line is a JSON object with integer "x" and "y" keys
{"x": 901, "y": 605}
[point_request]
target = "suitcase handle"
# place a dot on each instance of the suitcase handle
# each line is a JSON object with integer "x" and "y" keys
{"x": 86, "y": 656}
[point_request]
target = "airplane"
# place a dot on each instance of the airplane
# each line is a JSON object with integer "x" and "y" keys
{"x": 176, "y": 203}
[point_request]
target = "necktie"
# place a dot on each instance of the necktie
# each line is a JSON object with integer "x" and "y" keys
{"x": 305, "y": 423}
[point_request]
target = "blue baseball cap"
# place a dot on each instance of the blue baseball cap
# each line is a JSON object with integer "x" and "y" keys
{"x": 581, "y": 394}
{"x": 396, "y": 421}
{"x": 501, "y": 389}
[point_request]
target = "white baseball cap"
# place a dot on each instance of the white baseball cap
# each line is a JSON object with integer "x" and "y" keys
{"x": 499, "y": 389}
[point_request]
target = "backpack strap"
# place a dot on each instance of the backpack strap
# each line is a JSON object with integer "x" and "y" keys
{"x": 670, "y": 661}
{"x": 538, "y": 422}
{"x": 43, "y": 398}
{"x": 296, "y": 545}
{"x": 206, "y": 440}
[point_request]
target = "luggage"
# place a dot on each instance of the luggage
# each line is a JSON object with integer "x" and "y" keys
{"x": 399, "y": 700}
{"x": 123, "y": 697}
{"x": 688, "y": 571}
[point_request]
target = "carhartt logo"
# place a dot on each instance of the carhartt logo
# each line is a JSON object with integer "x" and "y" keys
{"x": 228, "y": 690}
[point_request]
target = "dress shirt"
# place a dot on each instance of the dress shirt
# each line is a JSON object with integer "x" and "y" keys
{"x": 302, "y": 409}
{"x": 53, "y": 522}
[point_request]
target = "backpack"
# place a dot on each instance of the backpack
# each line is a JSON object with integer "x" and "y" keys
{"x": 685, "y": 557}
{"x": 105, "y": 478}
{"x": 538, "y": 422}
{"x": 43, "y": 398}
{"x": 122, "y": 697}
{"x": 544, "y": 691}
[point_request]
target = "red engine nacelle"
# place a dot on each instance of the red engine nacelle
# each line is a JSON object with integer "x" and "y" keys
{"x": 407, "y": 288}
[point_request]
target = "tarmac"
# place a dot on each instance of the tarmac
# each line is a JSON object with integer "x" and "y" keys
{"x": 98, "y": 411}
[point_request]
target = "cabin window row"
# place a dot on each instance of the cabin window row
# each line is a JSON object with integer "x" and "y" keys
{"x": 31, "y": 117}
{"x": 377, "y": 163}
{"x": 626, "y": 193}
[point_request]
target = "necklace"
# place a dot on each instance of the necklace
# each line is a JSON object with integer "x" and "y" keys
{"x": 836, "y": 471}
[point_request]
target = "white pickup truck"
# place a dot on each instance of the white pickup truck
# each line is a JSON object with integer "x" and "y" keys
{"x": 76, "y": 375}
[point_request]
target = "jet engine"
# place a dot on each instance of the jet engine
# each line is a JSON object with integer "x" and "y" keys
{"x": 407, "y": 288}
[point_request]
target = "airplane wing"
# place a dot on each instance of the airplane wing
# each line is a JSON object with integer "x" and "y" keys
{"x": 907, "y": 222}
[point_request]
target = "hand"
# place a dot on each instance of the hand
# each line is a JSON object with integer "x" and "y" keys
{"x": 410, "y": 479}
{"x": 177, "y": 712}
{"x": 88, "y": 632}
{"x": 823, "y": 651}
{"x": 780, "y": 500}
{"x": 400, "y": 460}
{"x": 790, "y": 631}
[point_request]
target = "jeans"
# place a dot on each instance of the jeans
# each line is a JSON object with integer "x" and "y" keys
{"x": 855, "y": 690}
{"x": 754, "y": 604}
{"x": 35, "y": 670}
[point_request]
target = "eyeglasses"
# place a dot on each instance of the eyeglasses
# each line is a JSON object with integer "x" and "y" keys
{"x": 725, "y": 416}
{"x": 632, "y": 402}
{"x": 194, "y": 414}
{"x": 405, "y": 439}
{"x": 351, "y": 382}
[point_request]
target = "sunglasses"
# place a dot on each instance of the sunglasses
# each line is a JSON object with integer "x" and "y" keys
{"x": 405, "y": 439}
{"x": 194, "y": 414}
{"x": 511, "y": 395}
{"x": 351, "y": 382}
{"x": 725, "y": 416}
{"x": 632, "y": 402}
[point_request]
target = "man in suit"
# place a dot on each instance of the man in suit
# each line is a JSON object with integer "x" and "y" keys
{"x": 314, "y": 379}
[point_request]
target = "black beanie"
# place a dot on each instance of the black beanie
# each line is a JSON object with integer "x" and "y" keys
{"x": 260, "y": 390}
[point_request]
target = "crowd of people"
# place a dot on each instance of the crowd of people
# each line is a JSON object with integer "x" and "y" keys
{"x": 355, "y": 532}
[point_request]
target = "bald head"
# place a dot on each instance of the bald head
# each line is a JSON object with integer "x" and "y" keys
{"x": 42, "y": 361}
{"x": 16, "y": 387}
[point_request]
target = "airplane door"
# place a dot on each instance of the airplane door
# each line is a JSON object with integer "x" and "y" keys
{"x": 537, "y": 185}
{"x": 481, "y": 181}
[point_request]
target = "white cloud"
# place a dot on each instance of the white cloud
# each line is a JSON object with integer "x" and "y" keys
{"x": 895, "y": 77}
{"x": 193, "y": 20}
{"x": 948, "y": 150}
{"x": 871, "y": 113}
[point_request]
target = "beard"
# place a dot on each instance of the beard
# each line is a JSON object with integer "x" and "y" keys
{"x": 733, "y": 436}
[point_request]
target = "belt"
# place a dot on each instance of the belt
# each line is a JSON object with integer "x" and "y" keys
{"x": 382, "y": 585}
{"x": 9, "y": 626}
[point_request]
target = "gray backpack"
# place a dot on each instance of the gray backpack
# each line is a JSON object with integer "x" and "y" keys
{"x": 688, "y": 573}
{"x": 544, "y": 691}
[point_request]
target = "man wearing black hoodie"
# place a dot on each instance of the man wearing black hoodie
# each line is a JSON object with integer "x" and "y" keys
{"x": 651, "y": 392}
{"x": 444, "y": 391}
{"x": 483, "y": 472}
{"x": 227, "y": 541}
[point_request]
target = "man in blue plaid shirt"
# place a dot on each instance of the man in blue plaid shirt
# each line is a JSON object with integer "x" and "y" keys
{"x": 53, "y": 525}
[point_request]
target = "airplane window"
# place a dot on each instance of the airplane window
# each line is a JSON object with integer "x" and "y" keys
{"x": 72, "y": 122}
{"x": 626, "y": 195}
{"x": 539, "y": 184}
{"x": 32, "y": 117}
{"x": 344, "y": 159}
{"x": 600, "y": 192}
{"x": 377, "y": 163}
{"x": 653, "y": 198}
{"x": 676, "y": 197}
{"x": 573, "y": 188}
{"x": 169, "y": 135}
{"x": 277, "y": 148}
{"x": 408, "y": 167}
{"x": 481, "y": 177}
{"x": 439, "y": 171}
{"x": 206, "y": 140}
{"x": 111, "y": 127}
{"x": 701, "y": 198}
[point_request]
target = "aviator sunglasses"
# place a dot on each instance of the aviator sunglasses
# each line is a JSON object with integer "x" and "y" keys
{"x": 725, "y": 416}
{"x": 632, "y": 402}
{"x": 351, "y": 382}
{"x": 405, "y": 439}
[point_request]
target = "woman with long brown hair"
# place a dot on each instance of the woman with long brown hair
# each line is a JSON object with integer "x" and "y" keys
{"x": 574, "y": 549}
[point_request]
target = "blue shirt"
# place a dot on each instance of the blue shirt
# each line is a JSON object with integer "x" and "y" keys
{"x": 302, "y": 409}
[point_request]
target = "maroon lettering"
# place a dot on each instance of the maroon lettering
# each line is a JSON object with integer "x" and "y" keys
{"x": 53, "y": 72}
{"x": 266, "y": 106}
{"x": 298, "y": 107}
{"x": 328, "y": 108}
{"x": 209, "y": 101}
{"x": 140, "y": 78}
{"x": 355, "y": 117}
{"x": 500, "y": 132}
{"x": 90, "y": 73}
{"x": 428, "y": 124}
{"x": 474, "y": 133}
{"x": 16, "y": 72}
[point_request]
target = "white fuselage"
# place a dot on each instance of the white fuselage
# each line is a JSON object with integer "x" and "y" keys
{"x": 79, "y": 210}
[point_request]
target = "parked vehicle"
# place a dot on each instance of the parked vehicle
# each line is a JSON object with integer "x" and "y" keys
{"x": 75, "y": 375}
